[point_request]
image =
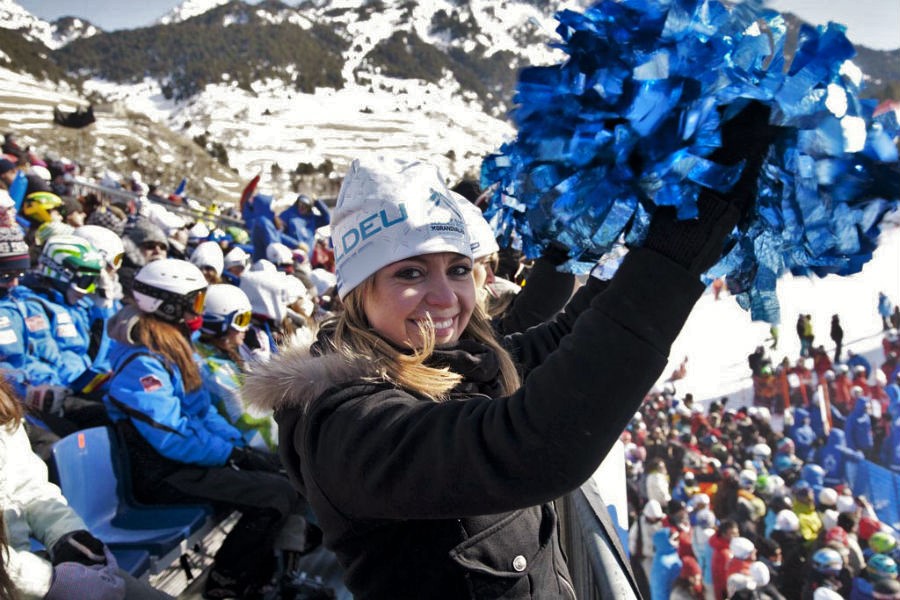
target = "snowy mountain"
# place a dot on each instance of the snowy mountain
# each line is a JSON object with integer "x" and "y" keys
{"x": 52, "y": 35}
{"x": 289, "y": 91}
{"x": 296, "y": 92}
{"x": 188, "y": 9}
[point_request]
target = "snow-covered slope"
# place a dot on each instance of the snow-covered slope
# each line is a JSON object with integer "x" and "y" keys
{"x": 719, "y": 335}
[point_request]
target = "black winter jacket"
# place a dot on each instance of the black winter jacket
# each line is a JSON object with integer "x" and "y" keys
{"x": 420, "y": 499}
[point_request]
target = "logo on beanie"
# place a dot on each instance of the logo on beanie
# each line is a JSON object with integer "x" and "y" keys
{"x": 369, "y": 227}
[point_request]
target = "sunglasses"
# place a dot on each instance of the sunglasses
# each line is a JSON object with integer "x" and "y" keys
{"x": 154, "y": 246}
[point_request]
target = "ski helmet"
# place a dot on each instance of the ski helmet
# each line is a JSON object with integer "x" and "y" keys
{"x": 106, "y": 241}
{"x": 37, "y": 206}
{"x": 227, "y": 306}
{"x": 881, "y": 566}
{"x": 882, "y": 542}
{"x": 169, "y": 288}
{"x": 49, "y": 229}
{"x": 68, "y": 260}
{"x": 827, "y": 561}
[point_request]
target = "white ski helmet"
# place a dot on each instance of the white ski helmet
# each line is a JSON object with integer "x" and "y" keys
{"x": 236, "y": 257}
{"x": 279, "y": 254}
{"x": 209, "y": 254}
{"x": 168, "y": 288}
{"x": 268, "y": 293}
{"x": 106, "y": 241}
{"x": 226, "y": 306}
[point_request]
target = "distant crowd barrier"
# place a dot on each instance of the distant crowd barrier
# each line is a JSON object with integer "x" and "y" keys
{"x": 880, "y": 486}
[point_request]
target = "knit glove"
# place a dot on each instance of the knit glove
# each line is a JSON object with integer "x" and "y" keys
{"x": 79, "y": 547}
{"x": 75, "y": 581}
{"x": 697, "y": 244}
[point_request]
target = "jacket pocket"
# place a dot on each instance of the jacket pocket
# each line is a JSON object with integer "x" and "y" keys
{"x": 514, "y": 557}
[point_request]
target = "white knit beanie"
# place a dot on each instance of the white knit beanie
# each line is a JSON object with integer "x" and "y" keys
{"x": 480, "y": 232}
{"x": 388, "y": 210}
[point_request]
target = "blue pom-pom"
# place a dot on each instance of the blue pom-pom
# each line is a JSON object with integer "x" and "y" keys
{"x": 626, "y": 124}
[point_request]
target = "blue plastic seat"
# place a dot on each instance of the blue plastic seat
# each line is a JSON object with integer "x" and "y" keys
{"x": 88, "y": 479}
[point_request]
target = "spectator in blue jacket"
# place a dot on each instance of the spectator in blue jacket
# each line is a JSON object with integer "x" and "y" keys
{"x": 858, "y": 429}
{"x": 266, "y": 228}
{"x": 303, "y": 218}
{"x": 179, "y": 446}
{"x": 666, "y": 564}
{"x": 858, "y": 360}
{"x": 803, "y": 435}
{"x": 68, "y": 270}
{"x": 833, "y": 457}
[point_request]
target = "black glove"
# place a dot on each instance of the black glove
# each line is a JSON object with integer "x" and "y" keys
{"x": 251, "y": 459}
{"x": 79, "y": 547}
{"x": 556, "y": 253}
{"x": 697, "y": 244}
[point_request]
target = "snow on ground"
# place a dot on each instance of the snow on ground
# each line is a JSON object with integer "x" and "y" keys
{"x": 719, "y": 335}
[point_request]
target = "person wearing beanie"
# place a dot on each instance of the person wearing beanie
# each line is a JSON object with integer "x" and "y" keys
{"x": 640, "y": 539}
{"x": 666, "y": 564}
{"x": 689, "y": 585}
{"x": 793, "y": 549}
{"x": 743, "y": 554}
{"x": 428, "y": 448}
{"x": 209, "y": 259}
{"x": 704, "y": 528}
{"x": 546, "y": 289}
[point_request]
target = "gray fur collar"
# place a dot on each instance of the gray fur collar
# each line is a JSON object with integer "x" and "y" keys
{"x": 293, "y": 377}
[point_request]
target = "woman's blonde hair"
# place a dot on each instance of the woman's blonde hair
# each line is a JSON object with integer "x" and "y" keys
{"x": 354, "y": 338}
{"x": 169, "y": 340}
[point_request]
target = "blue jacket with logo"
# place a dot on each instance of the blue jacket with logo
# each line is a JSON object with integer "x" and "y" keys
{"x": 858, "y": 428}
{"x": 803, "y": 435}
{"x": 80, "y": 333}
{"x": 182, "y": 426}
{"x": 28, "y": 351}
{"x": 833, "y": 457}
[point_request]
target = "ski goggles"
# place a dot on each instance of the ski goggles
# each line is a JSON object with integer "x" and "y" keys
{"x": 85, "y": 281}
{"x": 116, "y": 260}
{"x": 240, "y": 321}
{"x": 196, "y": 301}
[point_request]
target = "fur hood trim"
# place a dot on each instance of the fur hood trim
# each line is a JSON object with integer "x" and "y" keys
{"x": 294, "y": 377}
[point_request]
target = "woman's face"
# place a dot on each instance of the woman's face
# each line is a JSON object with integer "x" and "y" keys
{"x": 409, "y": 291}
{"x": 483, "y": 271}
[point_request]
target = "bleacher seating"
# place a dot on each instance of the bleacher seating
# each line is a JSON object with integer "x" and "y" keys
{"x": 96, "y": 490}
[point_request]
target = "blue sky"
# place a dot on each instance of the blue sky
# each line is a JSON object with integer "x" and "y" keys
{"x": 873, "y": 23}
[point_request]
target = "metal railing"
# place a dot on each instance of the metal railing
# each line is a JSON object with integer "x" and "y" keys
{"x": 597, "y": 573}
{"x": 81, "y": 186}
